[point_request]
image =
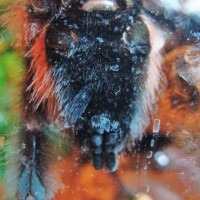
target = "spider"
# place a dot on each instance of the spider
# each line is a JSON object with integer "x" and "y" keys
{"x": 92, "y": 69}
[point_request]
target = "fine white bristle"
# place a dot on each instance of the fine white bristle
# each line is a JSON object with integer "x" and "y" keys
{"x": 154, "y": 82}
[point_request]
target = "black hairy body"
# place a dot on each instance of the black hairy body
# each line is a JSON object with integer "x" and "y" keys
{"x": 92, "y": 70}
{"x": 98, "y": 78}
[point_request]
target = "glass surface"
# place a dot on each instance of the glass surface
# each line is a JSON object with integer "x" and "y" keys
{"x": 134, "y": 116}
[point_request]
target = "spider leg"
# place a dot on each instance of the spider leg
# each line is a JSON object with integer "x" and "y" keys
{"x": 97, "y": 150}
{"x": 35, "y": 178}
{"x": 32, "y": 165}
{"x": 111, "y": 142}
{"x": 104, "y": 147}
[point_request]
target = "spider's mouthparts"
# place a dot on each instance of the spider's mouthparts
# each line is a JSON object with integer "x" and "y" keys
{"x": 91, "y": 5}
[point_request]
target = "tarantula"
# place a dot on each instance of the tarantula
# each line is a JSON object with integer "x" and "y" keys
{"x": 92, "y": 69}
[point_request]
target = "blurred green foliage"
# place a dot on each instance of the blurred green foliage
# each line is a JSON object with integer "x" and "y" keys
{"x": 10, "y": 70}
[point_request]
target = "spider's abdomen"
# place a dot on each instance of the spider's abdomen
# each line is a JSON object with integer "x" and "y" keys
{"x": 97, "y": 75}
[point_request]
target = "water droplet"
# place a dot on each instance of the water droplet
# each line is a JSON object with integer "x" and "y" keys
{"x": 118, "y": 16}
{"x": 152, "y": 143}
{"x": 149, "y": 154}
{"x": 156, "y": 126}
{"x": 145, "y": 166}
{"x": 118, "y": 59}
{"x": 161, "y": 158}
{"x": 23, "y": 145}
{"x": 100, "y": 39}
{"x": 147, "y": 188}
{"x": 131, "y": 19}
{"x": 33, "y": 27}
{"x": 138, "y": 72}
{"x": 106, "y": 22}
{"x": 114, "y": 68}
